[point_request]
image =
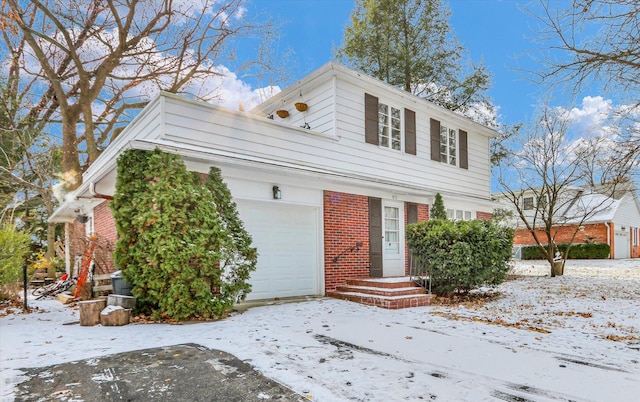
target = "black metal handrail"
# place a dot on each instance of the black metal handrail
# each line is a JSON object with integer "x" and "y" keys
{"x": 348, "y": 250}
{"x": 419, "y": 271}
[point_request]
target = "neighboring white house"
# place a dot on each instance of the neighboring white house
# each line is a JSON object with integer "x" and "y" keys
{"x": 327, "y": 187}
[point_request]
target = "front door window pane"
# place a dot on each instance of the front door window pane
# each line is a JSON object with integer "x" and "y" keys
{"x": 392, "y": 230}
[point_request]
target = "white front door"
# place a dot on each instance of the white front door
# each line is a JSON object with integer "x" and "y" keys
{"x": 392, "y": 238}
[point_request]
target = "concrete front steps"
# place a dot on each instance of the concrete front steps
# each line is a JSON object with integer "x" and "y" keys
{"x": 390, "y": 293}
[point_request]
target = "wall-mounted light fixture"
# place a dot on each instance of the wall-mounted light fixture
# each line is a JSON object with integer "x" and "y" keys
{"x": 82, "y": 218}
{"x": 623, "y": 228}
{"x": 277, "y": 194}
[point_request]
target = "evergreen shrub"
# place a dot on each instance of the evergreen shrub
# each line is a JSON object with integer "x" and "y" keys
{"x": 183, "y": 259}
{"x": 577, "y": 251}
{"x": 462, "y": 255}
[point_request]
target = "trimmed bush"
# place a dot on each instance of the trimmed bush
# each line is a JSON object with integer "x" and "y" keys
{"x": 577, "y": 251}
{"x": 182, "y": 258}
{"x": 462, "y": 255}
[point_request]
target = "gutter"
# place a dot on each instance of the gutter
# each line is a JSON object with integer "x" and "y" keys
{"x": 94, "y": 194}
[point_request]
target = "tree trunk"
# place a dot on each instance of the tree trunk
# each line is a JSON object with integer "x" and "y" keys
{"x": 72, "y": 175}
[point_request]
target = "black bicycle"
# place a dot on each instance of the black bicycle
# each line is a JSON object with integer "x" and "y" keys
{"x": 64, "y": 283}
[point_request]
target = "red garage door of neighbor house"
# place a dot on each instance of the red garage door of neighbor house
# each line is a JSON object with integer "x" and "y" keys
{"x": 287, "y": 240}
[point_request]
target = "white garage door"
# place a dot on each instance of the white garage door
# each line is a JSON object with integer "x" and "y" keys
{"x": 621, "y": 248}
{"x": 287, "y": 240}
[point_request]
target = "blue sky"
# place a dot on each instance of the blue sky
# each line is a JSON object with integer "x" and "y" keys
{"x": 497, "y": 32}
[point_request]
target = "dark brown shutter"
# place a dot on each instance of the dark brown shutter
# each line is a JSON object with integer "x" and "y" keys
{"x": 371, "y": 119}
{"x": 464, "y": 153}
{"x": 435, "y": 140}
{"x": 412, "y": 213}
{"x": 375, "y": 237}
{"x": 409, "y": 132}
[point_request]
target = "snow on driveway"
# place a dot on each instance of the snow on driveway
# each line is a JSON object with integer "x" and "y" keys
{"x": 575, "y": 337}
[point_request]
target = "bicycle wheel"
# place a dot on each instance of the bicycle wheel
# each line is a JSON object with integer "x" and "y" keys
{"x": 38, "y": 291}
{"x": 44, "y": 290}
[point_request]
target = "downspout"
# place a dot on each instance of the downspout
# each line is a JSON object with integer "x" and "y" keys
{"x": 611, "y": 246}
{"x": 67, "y": 244}
{"x": 92, "y": 191}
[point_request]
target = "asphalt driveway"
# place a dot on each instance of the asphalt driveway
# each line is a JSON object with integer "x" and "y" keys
{"x": 186, "y": 372}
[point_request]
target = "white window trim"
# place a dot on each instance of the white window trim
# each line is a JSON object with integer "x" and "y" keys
{"x": 524, "y": 203}
{"x": 400, "y": 110}
{"x": 453, "y": 213}
{"x": 447, "y": 157}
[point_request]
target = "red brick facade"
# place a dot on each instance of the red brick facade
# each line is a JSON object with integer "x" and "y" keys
{"x": 596, "y": 232}
{"x": 484, "y": 216}
{"x": 104, "y": 227}
{"x": 346, "y": 221}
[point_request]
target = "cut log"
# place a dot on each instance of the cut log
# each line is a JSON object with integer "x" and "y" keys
{"x": 85, "y": 291}
{"x": 65, "y": 298}
{"x": 127, "y": 302}
{"x": 114, "y": 316}
{"x": 90, "y": 312}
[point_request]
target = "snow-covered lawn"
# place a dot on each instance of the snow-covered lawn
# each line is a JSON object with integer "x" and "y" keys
{"x": 575, "y": 337}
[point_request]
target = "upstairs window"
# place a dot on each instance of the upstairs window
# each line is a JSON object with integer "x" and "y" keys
{"x": 527, "y": 203}
{"x": 389, "y": 127}
{"x": 448, "y": 145}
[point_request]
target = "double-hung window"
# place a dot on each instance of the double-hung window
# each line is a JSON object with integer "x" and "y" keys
{"x": 458, "y": 215}
{"x": 527, "y": 203}
{"x": 448, "y": 145}
{"x": 389, "y": 127}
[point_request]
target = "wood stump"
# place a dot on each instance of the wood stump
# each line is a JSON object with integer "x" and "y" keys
{"x": 114, "y": 316}
{"x": 65, "y": 298}
{"x": 90, "y": 312}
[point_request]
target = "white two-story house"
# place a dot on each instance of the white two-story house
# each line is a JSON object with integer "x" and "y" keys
{"x": 326, "y": 174}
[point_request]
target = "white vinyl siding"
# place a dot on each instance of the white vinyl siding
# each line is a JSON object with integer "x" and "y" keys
{"x": 209, "y": 127}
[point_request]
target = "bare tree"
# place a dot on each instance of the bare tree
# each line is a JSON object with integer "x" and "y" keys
{"x": 593, "y": 40}
{"x": 92, "y": 63}
{"x": 554, "y": 173}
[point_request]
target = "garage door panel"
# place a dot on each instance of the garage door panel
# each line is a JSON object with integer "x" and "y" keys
{"x": 286, "y": 237}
